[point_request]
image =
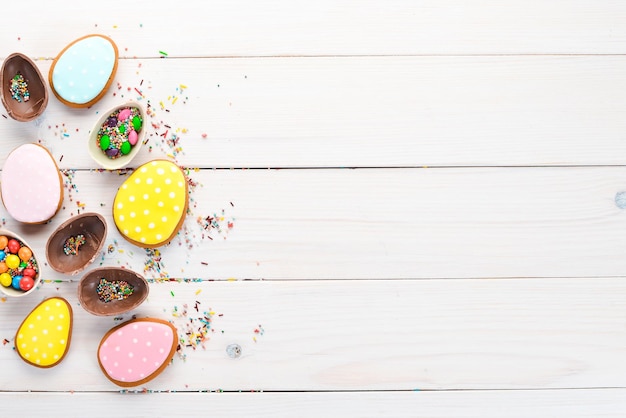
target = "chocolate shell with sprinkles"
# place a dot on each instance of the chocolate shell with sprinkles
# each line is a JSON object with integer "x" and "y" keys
{"x": 108, "y": 291}
{"x": 76, "y": 243}
{"x": 24, "y": 94}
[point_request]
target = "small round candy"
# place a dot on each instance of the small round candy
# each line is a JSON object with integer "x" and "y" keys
{"x": 2, "y": 255}
{"x": 26, "y": 283}
{"x": 105, "y": 141}
{"x": 30, "y": 272}
{"x": 125, "y": 147}
{"x": 16, "y": 282}
{"x": 124, "y": 114}
{"x": 132, "y": 137}
{"x": 3, "y": 242}
{"x": 122, "y": 129}
{"x": 12, "y": 261}
{"x": 3, "y": 267}
{"x": 136, "y": 123}
{"x": 25, "y": 253}
{"x": 14, "y": 246}
{"x": 6, "y": 279}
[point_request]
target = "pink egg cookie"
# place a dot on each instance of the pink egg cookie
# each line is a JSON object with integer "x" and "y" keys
{"x": 30, "y": 185}
{"x": 137, "y": 351}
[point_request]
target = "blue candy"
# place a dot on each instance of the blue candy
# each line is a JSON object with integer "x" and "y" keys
{"x": 16, "y": 282}
{"x": 3, "y": 255}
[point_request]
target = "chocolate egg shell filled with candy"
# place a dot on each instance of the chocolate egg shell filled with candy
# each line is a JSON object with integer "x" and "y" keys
{"x": 117, "y": 136}
{"x": 24, "y": 93}
{"x": 111, "y": 291}
{"x": 76, "y": 243}
{"x": 19, "y": 269}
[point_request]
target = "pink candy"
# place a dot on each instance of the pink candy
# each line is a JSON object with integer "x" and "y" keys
{"x": 132, "y": 137}
{"x": 124, "y": 114}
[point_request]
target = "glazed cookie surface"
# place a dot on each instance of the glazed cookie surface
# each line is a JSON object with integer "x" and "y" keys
{"x": 136, "y": 351}
{"x": 83, "y": 71}
{"x": 32, "y": 193}
{"x": 44, "y": 337}
{"x": 150, "y": 206}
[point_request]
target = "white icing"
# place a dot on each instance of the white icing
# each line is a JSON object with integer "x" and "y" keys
{"x": 30, "y": 186}
{"x": 83, "y": 70}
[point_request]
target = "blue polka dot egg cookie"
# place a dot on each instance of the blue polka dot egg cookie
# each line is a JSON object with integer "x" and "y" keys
{"x": 150, "y": 206}
{"x": 83, "y": 71}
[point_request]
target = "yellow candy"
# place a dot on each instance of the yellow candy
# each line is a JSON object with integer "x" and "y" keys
{"x": 12, "y": 261}
{"x": 5, "y": 279}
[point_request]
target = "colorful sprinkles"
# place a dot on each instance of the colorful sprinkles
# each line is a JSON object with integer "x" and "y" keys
{"x": 113, "y": 290}
{"x": 73, "y": 244}
{"x": 19, "y": 88}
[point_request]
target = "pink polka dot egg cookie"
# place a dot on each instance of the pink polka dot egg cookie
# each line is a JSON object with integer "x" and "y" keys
{"x": 43, "y": 338}
{"x": 150, "y": 206}
{"x": 117, "y": 136}
{"x": 30, "y": 184}
{"x": 137, "y": 351}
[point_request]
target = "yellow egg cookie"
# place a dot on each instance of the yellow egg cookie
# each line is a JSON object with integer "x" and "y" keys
{"x": 44, "y": 337}
{"x": 150, "y": 206}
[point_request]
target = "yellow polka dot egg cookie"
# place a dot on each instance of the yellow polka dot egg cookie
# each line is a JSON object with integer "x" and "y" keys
{"x": 150, "y": 206}
{"x": 44, "y": 337}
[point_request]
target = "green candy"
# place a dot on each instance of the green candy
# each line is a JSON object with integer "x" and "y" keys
{"x": 105, "y": 141}
{"x": 136, "y": 123}
{"x": 122, "y": 128}
{"x": 125, "y": 147}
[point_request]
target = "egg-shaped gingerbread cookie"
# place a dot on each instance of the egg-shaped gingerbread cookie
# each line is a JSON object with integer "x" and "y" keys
{"x": 150, "y": 206}
{"x": 30, "y": 184}
{"x": 137, "y": 351}
{"x": 43, "y": 338}
{"x": 83, "y": 71}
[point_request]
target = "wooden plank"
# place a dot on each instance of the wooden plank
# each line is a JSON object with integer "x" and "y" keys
{"x": 270, "y": 28}
{"x": 357, "y": 335}
{"x": 475, "y": 404}
{"x": 358, "y": 112}
{"x": 373, "y": 224}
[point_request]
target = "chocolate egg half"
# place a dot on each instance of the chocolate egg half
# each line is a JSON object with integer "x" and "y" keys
{"x": 24, "y": 93}
{"x": 111, "y": 291}
{"x": 76, "y": 243}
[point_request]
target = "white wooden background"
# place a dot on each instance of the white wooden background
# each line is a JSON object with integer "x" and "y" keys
{"x": 417, "y": 203}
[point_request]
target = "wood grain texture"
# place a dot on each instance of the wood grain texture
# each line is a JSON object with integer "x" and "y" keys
{"x": 375, "y": 224}
{"x": 475, "y": 404}
{"x": 357, "y": 335}
{"x": 489, "y": 285}
{"x": 326, "y": 27}
{"x": 358, "y": 112}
